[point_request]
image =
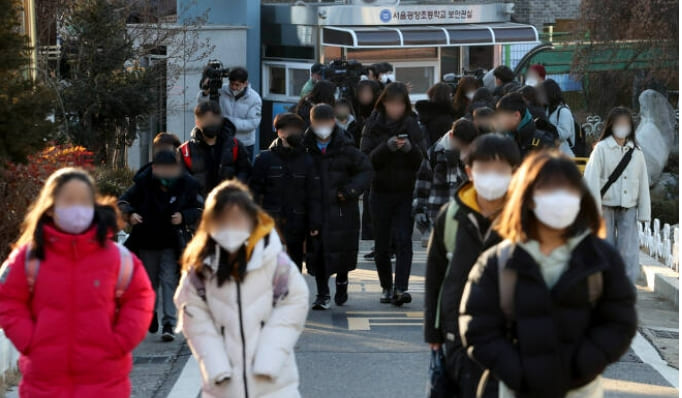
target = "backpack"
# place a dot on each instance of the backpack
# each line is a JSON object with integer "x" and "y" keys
{"x": 125, "y": 271}
{"x": 280, "y": 280}
{"x": 507, "y": 282}
{"x": 187, "y": 158}
{"x": 579, "y": 147}
{"x": 546, "y": 135}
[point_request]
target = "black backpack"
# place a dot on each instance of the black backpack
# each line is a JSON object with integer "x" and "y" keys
{"x": 546, "y": 135}
{"x": 579, "y": 147}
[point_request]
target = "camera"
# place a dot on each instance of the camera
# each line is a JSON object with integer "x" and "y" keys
{"x": 214, "y": 72}
{"x": 452, "y": 79}
{"x": 345, "y": 74}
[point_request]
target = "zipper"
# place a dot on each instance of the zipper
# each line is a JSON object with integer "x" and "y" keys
{"x": 241, "y": 331}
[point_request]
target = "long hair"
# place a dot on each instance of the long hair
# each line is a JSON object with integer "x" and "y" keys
{"x": 553, "y": 95}
{"x": 542, "y": 170}
{"x": 440, "y": 93}
{"x": 107, "y": 217}
{"x": 227, "y": 194}
{"x": 323, "y": 93}
{"x": 614, "y": 114}
{"x": 395, "y": 91}
{"x": 460, "y": 100}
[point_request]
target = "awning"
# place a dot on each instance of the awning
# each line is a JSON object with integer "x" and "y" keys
{"x": 428, "y": 36}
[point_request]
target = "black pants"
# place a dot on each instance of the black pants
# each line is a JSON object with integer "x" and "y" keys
{"x": 322, "y": 282}
{"x": 392, "y": 218}
{"x": 367, "y": 230}
{"x": 295, "y": 251}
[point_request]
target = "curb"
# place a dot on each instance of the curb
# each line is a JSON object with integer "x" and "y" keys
{"x": 662, "y": 280}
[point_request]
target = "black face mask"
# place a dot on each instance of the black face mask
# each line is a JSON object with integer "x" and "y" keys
{"x": 211, "y": 131}
{"x": 294, "y": 140}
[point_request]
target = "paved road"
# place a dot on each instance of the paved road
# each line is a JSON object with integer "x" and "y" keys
{"x": 367, "y": 349}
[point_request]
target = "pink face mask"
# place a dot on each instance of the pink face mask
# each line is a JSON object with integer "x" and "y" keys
{"x": 74, "y": 219}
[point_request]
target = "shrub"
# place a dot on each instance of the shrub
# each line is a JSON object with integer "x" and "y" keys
{"x": 113, "y": 182}
{"x": 21, "y": 183}
{"x": 668, "y": 211}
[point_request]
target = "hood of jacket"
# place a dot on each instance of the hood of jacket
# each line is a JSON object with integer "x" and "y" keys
{"x": 428, "y": 110}
{"x": 339, "y": 140}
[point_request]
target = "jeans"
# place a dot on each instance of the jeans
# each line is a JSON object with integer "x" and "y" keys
{"x": 162, "y": 268}
{"x": 621, "y": 229}
{"x": 392, "y": 218}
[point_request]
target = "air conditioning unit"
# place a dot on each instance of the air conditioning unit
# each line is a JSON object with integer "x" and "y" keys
{"x": 375, "y": 2}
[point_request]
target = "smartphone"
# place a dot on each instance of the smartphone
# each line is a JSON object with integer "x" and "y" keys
{"x": 403, "y": 136}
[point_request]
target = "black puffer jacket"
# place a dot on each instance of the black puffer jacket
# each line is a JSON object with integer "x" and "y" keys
{"x": 560, "y": 341}
{"x": 342, "y": 169}
{"x": 436, "y": 118}
{"x": 156, "y": 206}
{"x": 285, "y": 183}
{"x": 211, "y": 165}
{"x": 396, "y": 172}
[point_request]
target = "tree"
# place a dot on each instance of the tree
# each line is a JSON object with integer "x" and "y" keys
{"x": 641, "y": 35}
{"x": 24, "y": 104}
{"x": 108, "y": 85}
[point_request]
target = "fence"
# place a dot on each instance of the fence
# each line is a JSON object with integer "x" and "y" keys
{"x": 661, "y": 243}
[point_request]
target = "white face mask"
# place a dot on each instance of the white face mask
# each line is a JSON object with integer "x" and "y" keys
{"x": 491, "y": 186}
{"x": 386, "y": 77}
{"x": 557, "y": 209}
{"x": 323, "y": 132}
{"x": 621, "y": 131}
{"x": 230, "y": 239}
{"x": 531, "y": 81}
{"x": 470, "y": 95}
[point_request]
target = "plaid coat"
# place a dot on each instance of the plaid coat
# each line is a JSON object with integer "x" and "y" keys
{"x": 438, "y": 178}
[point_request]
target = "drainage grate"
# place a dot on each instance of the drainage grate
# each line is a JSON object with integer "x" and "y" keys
{"x": 665, "y": 334}
{"x": 151, "y": 359}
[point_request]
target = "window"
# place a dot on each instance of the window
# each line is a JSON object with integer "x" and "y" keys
{"x": 283, "y": 81}
{"x": 420, "y": 74}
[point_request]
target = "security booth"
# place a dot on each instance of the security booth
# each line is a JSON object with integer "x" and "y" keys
{"x": 422, "y": 42}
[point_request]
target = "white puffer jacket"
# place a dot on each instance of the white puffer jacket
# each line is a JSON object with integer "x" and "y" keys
{"x": 244, "y": 113}
{"x": 237, "y": 333}
{"x": 630, "y": 189}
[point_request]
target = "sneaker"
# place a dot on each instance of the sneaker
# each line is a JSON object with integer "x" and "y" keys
{"x": 322, "y": 303}
{"x": 167, "y": 335}
{"x": 369, "y": 256}
{"x": 401, "y": 297}
{"x": 341, "y": 295}
{"x": 386, "y": 296}
{"x": 154, "y": 326}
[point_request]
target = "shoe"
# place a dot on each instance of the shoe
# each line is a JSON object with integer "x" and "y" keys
{"x": 386, "y": 296}
{"x": 154, "y": 326}
{"x": 341, "y": 295}
{"x": 401, "y": 297}
{"x": 167, "y": 335}
{"x": 322, "y": 303}
{"x": 369, "y": 256}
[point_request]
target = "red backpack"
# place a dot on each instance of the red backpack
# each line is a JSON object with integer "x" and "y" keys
{"x": 187, "y": 158}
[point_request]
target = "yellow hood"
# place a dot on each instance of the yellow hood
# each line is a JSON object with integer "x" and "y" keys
{"x": 467, "y": 195}
{"x": 261, "y": 230}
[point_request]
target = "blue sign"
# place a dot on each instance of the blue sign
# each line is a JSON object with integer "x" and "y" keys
{"x": 280, "y": 107}
{"x": 385, "y": 15}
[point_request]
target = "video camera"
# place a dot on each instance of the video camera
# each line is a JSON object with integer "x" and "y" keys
{"x": 452, "y": 79}
{"x": 214, "y": 72}
{"x": 345, "y": 74}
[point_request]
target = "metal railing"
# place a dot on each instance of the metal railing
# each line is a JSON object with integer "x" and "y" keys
{"x": 661, "y": 243}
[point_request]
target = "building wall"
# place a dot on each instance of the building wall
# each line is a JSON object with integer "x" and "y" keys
{"x": 539, "y": 12}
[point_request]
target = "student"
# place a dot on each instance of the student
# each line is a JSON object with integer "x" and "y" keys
{"x": 345, "y": 173}
{"x": 161, "y": 142}
{"x": 482, "y": 98}
{"x": 436, "y": 113}
{"x": 464, "y": 95}
{"x": 285, "y": 183}
{"x": 441, "y": 172}
{"x": 559, "y": 115}
{"x": 626, "y": 199}
{"x": 323, "y": 92}
{"x": 242, "y": 301}
{"x": 61, "y": 303}
{"x": 241, "y": 105}
{"x": 394, "y": 143}
{"x": 162, "y": 206}
{"x": 549, "y": 308}
{"x": 462, "y": 231}
{"x": 345, "y": 119}
{"x": 213, "y": 154}
{"x": 536, "y": 75}
{"x": 503, "y": 75}
{"x": 531, "y": 97}
{"x": 484, "y": 119}
{"x": 514, "y": 118}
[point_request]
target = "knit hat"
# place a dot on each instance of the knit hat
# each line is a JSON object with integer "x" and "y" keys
{"x": 539, "y": 69}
